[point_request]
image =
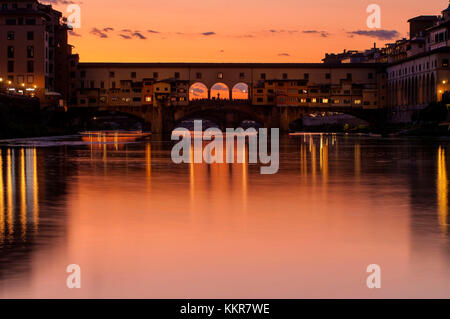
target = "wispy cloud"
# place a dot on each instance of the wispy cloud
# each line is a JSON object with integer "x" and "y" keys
{"x": 74, "y": 34}
{"x": 323, "y": 34}
{"x": 139, "y": 35}
{"x": 98, "y": 33}
{"x": 208, "y": 33}
{"x": 379, "y": 34}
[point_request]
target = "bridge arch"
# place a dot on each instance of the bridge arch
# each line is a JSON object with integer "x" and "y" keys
{"x": 220, "y": 91}
{"x": 240, "y": 91}
{"x": 198, "y": 91}
{"x": 225, "y": 115}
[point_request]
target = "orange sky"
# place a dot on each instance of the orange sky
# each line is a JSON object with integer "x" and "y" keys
{"x": 233, "y": 31}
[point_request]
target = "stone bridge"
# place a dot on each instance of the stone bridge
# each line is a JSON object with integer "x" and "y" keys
{"x": 230, "y": 114}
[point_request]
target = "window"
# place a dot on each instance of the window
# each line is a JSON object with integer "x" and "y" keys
{"x": 112, "y": 74}
{"x": 20, "y": 79}
{"x": 11, "y": 21}
{"x": 370, "y": 76}
{"x": 445, "y": 63}
{"x": 137, "y": 99}
{"x": 10, "y": 66}
{"x": 306, "y": 76}
{"x": 30, "y": 21}
{"x": 155, "y": 75}
{"x": 263, "y": 76}
{"x": 349, "y": 76}
{"x": 241, "y": 75}
{"x": 133, "y": 75}
{"x": 83, "y": 74}
{"x": 260, "y": 100}
{"x": 102, "y": 84}
{"x": 220, "y": 75}
{"x": 92, "y": 84}
{"x": 198, "y": 75}
{"x": 357, "y": 102}
{"x": 30, "y": 35}
{"x": 11, "y": 52}
{"x": 328, "y": 76}
{"x": 30, "y": 66}
{"x": 148, "y": 98}
{"x": 285, "y": 76}
{"x": 4, "y": 6}
{"x": 177, "y": 75}
{"x": 30, "y": 51}
{"x": 30, "y": 79}
{"x": 113, "y": 84}
{"x": 10, "y": 35}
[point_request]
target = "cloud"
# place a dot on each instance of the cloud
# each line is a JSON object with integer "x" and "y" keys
{"x": 323, "y": 34}
{"x": 208, "y": 33}
{"x": 125, "y": 36}
{"x": 139, "y": 35}
{"x": 379, "y": 34}
{"x": 152, "y": 31}
{"x": 74, "y": 34}
{"x": 197, "y": 91}
{"x": 284, "y": 54}
{"x": 98, "y": 33}
{"x": 107, "y": 29}
{"x": 219, "y": 87}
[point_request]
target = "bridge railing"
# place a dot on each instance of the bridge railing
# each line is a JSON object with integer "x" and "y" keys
{"x": 219, "y": 102}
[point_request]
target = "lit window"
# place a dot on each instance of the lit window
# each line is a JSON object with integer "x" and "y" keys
{"x": 148, "y": 98}
{"x": 357, "y": 102}
{"x": 314, "y": 100}
{"x": 325, "y": 101}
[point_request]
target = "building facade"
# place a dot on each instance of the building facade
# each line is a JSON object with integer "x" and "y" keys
{"x": 170, "y": 84}
{"x": 35, "y": 56}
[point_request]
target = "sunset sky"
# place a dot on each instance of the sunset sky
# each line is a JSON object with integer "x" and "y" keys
{"x": 234, "y": 31}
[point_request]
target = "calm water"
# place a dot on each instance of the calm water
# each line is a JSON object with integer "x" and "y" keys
{"x": 140, "y": 226}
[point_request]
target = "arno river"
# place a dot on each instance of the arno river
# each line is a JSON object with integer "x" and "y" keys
{"x": 140, "y": 226}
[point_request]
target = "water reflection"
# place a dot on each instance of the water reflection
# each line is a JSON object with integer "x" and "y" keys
{"x": 127, "y": 211}
{"x": 442, "y": 190}
{"x": 19, "y": 195}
